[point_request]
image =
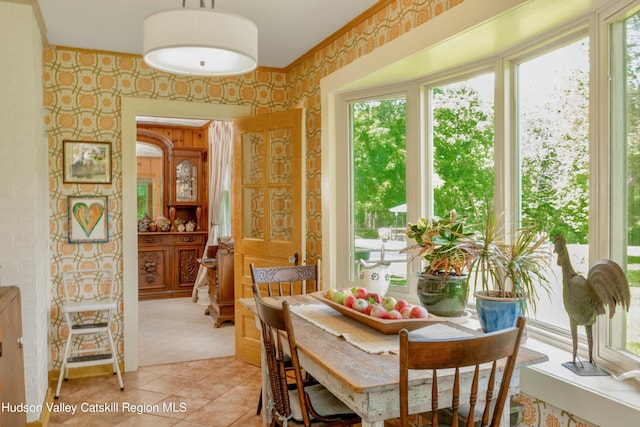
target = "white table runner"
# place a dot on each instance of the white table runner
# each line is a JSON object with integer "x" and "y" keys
{"x": 364, "y": 337}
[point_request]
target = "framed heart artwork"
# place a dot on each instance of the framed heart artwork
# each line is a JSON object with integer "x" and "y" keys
{"x": 88, "y": 219}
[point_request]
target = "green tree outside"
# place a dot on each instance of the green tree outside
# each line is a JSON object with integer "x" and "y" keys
{"x": 463, "y": 140}
{"x": 379, "y": 160}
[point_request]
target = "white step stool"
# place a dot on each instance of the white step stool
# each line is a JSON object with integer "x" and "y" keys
{"x": 88, "y": 311}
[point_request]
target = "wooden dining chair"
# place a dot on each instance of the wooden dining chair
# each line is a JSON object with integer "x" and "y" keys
{"x": 287, "y": 280}
{"x": 294, "y": 403}
{"x": 459, "y": 353}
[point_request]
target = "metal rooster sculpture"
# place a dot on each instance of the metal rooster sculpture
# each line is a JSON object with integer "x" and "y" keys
{"x": 585, "y": 299}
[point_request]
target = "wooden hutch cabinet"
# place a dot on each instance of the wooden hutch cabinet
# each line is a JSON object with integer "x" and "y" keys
{"x": 168, "y": 258}
{"x": 167, "y": 263}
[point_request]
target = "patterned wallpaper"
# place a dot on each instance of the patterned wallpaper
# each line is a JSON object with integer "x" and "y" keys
{"x": 533, "y": 413}
{"x": 82, "y": 91}
{"x": 538, "y": 413}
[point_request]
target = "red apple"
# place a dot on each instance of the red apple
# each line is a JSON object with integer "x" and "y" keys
{"x": 379, "y": 311}
{"x": 374, "y": 298}
{"x": 418, "y": 312}
{"x": 369, "y": 308}
{"x": 406, "y": 312}
{"x": 360, "y": 305}
{"x": 402, "y": 303}
{"x": 348, "y": 301}
{"x": 395, "y": 314}
{"x": 361, "y": 293}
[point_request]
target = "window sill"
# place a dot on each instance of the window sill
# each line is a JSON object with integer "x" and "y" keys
{"x": 593, "y": 399}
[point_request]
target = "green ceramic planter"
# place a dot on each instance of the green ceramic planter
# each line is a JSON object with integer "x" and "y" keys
{"x": 443, "y": 296}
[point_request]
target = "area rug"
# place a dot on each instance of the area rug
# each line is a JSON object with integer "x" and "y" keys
{"x": 177, "y": 330}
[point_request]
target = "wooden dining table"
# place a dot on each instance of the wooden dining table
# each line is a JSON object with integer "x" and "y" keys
{"x": 366, "y": 381}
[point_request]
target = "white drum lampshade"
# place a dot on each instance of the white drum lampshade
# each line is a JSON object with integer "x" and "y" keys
{"x": 200, "y": 42}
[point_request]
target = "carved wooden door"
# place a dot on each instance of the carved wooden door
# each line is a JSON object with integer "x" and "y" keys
{"x": 268, "y": 208}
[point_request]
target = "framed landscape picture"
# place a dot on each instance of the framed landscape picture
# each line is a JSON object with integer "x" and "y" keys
{"x": 88, "y": 219}
{"x": 86, "y": 162}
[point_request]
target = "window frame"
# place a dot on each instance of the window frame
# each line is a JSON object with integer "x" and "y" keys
{"x": 402, "y": 94}
{"x": 426, "y": 86}
{"x": 608, "y": 118}
{"x": 553, "y": 335}
{"x": 344, "y": 173}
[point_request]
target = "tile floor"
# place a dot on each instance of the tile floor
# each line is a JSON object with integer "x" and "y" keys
{"x": 219, "y": 392}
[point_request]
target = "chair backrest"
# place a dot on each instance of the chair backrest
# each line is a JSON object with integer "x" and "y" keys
{"x": 274, "y": 320}
{"x": 88, "y": 285}
{"x": 289, "y": 280}
{"x": 459, "y": 353}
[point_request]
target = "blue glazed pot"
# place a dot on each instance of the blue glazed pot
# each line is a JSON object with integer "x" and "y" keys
{"x": 496, "y": 313}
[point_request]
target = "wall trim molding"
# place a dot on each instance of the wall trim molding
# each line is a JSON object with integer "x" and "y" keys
{"x": 130, "y": 108}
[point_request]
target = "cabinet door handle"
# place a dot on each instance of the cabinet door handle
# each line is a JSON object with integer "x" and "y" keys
{"x": 20, "y": 341}
{"x": 149, "y": 240}
{"x": 187, "y": 238}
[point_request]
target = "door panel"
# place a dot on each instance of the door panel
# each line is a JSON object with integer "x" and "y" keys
{"x": 268, "y": 208}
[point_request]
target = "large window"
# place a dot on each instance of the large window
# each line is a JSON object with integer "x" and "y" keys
{"x": 621, "y": 339}
{"x": 559, "y": 145}
{"x": 462, "y": 141}
{"x": 630, "y": 69}
{"x": 378, "y": 186}
{"x": 552, "y": 97}
{"x": 463, "y": 145}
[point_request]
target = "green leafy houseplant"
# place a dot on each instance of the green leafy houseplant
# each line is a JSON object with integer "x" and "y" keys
{"x": 511, "y": 271}
{"x": 447, "y": 246}
{"x": 518, "y": 269}
{"x": 445, "y": 243}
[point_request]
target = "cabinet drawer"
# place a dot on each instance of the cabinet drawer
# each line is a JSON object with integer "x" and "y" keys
{"x": 187, "y": 238}
{"x": 153, "y": 239}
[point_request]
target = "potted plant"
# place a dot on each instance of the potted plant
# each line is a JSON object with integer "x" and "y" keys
{"x": 448, "y": 247}
{"x": 508, "y": 277}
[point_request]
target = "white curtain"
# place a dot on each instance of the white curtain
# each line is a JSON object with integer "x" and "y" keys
{"x": 220, "y": 157}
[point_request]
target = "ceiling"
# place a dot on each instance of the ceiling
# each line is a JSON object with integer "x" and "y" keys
{"x": 286, "y": 28}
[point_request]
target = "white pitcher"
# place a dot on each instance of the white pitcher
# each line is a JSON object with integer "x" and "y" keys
{"x": 375, "y": 277}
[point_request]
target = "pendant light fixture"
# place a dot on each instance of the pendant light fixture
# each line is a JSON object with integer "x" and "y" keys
{"x": 200, "y": 42}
